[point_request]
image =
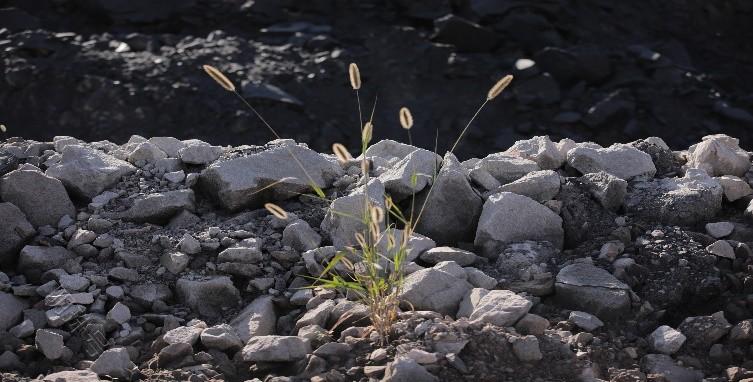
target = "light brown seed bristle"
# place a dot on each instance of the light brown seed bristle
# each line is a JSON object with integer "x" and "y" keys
{"x": 355, "y": 76}
{"x": 360, "y": 239}
{"x": 219, "y": 77}
{"x": 3, "y": 128}
{"x": 276, "y": 210}
{"x": 342, "y": 154}
{"x": 367, "y": 132}
{"x": 406, "y": 118}
{"x": 499, "y": 87}
{"x": 377, "y": 214}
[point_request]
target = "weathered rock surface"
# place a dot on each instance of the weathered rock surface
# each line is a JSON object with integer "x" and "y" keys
{"x": 87, "y": 172}
{"x": 345, "y": 216}
{"x": 585, "y": 287}
{"x": 14, "y": 232}
{"x": 42, "y": 199}
{"x": 620, "y": 160}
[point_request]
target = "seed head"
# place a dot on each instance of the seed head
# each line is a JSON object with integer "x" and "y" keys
{"x": 3, "y": 128}
{"x": 341, "y": 152}
{"x": 406, "y": 118}
{"x": 377, "y": 214}
{"x": 367, "y": 132}
{"x": 219, "y": 77}
{"x": 499, "y": 87}
{"x": 276, "y": 210}
{"x": 355, "y": 76}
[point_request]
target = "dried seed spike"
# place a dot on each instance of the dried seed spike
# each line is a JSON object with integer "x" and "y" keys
{"x": 499, "y": 87}
{"x": 3, "y": 128}
{"x": 355, "y": 76}
{"x": 391, "y": 241}
{"x": 342, "y": 154}
{"x": 276, "y": 210}
{"x": 374, "y": 231}
{"x": 366, "y": 133}
{"x": 406, "y": 118}
{"x": 219, "y": 77}
{"x": 360, "y": 239}
{"x": 364, "y": 167}
{"x": 377, "y": 214}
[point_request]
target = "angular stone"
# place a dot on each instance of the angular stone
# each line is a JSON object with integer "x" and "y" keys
{"x": 114, "y": 363}
{"x": 236, "y": 183}
{"x": 431, "y": 289}
{"x": 257, "y": 319}
{"x": 666, "y": 340}
{"x": 184, "y": 334}
{"x": 664, "y": 365}
{"x": 87, "y": 172}
{"x": 35, "y": 260}
{"x": 49, "y": 343}
{"x": 509, "y": 217}
{"x": 734, "y": 187}
{"x": 502, "y": 168}
{"x": 72, "y": 376}
{"x": 119, "y": 313}
{"x": 452, "y": 208}
{"x": 159, "y": 207}
{"x": 300, "y": 236}
{"x": 275, "y": 349}
{"x": 175, "y": 262}
{"x": 496, "y": 307}
{"x": 537, "y": 185}
{"x": 14, "y": 232}
{"x": 221, "y": 337}
{"x": 208, "y": 297}
{"x": 404, "y": 369}
{"x": 411, "y": 174}
{"x": 42, "y": 198}
{"x": 527, "y": 349}
{"x": 623, "y": 161}
{"x": 585, "y": 321}
{"x": 199, "y": 152}
{"x": 12, "y": 310}
{"x": 585, "y": 287}
{"x": 539, "y": 149}
{"x": 439, "y": 254}
{"x": 146, "y": 152}
{"x": 607, "y": 189}
{"x": 718, "y": 155}
{"x": 721, "y": 248}
{"x": 342, "y": 221}
{"x": 169, "y": 145}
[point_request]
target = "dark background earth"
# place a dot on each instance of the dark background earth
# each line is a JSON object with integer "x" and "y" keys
{"x": 604, "y": 70}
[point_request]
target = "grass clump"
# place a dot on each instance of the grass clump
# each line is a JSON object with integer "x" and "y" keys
{"x": 373, "y": 268}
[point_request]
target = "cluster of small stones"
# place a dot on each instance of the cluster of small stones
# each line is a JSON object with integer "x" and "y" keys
{"x": 548, "y": 261}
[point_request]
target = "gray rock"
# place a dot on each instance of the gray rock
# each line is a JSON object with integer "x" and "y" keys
{"x": 411, "y": 174}
{"x": 607, "y": 189}
{"x": 12, "y": 310}
{"x": 14, "y": 232}
{"x": 704, "y": 331}
{"x": 208, "y": 297}
{"x": 343, "y": 219}
{"x": 532, "y": 324}
{"x": 416, "y": 245}
{"x": 439, "y": 254}
{"x": 49, "y": 343}
{"x": 35, "y": 260}
{"x": 666, "y": 340}
{"x": 509, "y": 217}
{"x": 692, "y": 199}
{"x": 169, "y": 145}
{"x": 87, "y": 172}
{"x": 404, "y": 369}
{"x": 623, "y": 161}
{"x": 148, "y": 294}
{"x": 585, "y": 321}
{"x": 585, "y": 287}
{"x": 431, "y": 289}
{"x": 189, "y": 245}
{"x": 527, "y": 349}
{"x": 451, "y": 212}
{"x": 9, "y": 361}
{"x": 184, "y": 335}
{"x": 742, "y": 332}
{"x": 199, "y": 152}
{"x": 496, "y": 307}
{"x": 257, "y": 319}
{"x": 114, "y": 363}
{"x": 42, "y": 199}
{"x": 146, "y": 152}
{"x": 160, "y": 207}
{"x": 72, "y": 376}
{"x": 221, "y": 337}
{"x": 119, "y": 313}
{"x": 388, "y": 150}
{"x": 236, "y": 183}
{"x": 537, "y": 185}
{"x": 174, "y": 262}
{"x": 502, "y": 168}
{"x": 319, "y": 315}
{"x": 734, "y": 188}
{"x": 175, "y": 176}
{"x": 479, "y": 279}
{"x": 539, "y": 149}
{"x": 275, "y": 349}
{"x": 718, "y": 155}
{"x": 721, "y": 248}
{"x": 663, "y": 365}
{"x": 300, "y": 236}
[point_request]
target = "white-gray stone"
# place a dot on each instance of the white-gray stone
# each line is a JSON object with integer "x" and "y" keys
{"x": 119, "y": 313}
{"x": 199, "y": 152}
{"x": 496, "y": 307}
{"x": 719, "y": 154}
{"x": 208, "y": 297}
{"x": 49, "y": 343}
{"x": 257, "y": 319}
{"x": 431, "y": 289}
{"x": 527, "y": 349}
{"x": 585, "y": 321}
{"x": 87, "y": 172}
{"x": 719, "y": 230}
{"x": 411, "y": 174}
{"x": 160, "y": 207}
{"x": 539, "y": 149}
{"x": 344, "y": 217}
{"x": 114, "y": 363}
{"x": 734, "y": 188}
{"x": 221, "y": 337}
{"x": 275, "y": 349}
{"x": 300, "y": 236}
{"x": 666, "y": 340}
{"x": 585, "y": 287}
{"x": 621, "y": 160}
{"x": 42, "y": 198}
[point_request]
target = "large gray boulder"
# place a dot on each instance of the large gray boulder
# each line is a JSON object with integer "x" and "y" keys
{"x": 585, "y": 287}
{"x": 694, "y": 198}
{"x": 160, "y": 207}
{"x": 621, "y": 160}
{"x": 496, "y": 307}
{"x": 208, "y": 297}
{"x": 14, "y": 232}
{"x": 87, "y": 172}
{"x": 539, "y": 149}
{"x": 345, "y": 215}
{"x": 114, "y": 363}
{"x": 42, "y": 198}
{"x": 452, "y": 209}
{"x": 508, "y": 218}
{"x": 411, "y": 174}
{"x": 257, "y": 319}
{"x": 35, "y": 260}
{"x": 237, "y": 183}
{"x": 12, "y": 310}
{"x": 432, "y": 289}
{"x": 718, "y": 155}
{"x": 275, "y": 349}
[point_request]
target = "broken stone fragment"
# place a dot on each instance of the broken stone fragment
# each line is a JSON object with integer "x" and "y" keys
{"x": 86, "y": 172}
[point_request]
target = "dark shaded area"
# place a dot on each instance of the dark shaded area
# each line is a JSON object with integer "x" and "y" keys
{"x": 602, "y": 70}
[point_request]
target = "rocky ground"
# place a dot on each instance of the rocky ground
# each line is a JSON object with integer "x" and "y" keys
{"x": 595, "y": 70}
{"x": 549, "y": 261}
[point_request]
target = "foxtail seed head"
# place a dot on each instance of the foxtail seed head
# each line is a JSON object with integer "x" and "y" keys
{"x": 406, "y": 118}
{"x": 342, "y": 154}
{"x": 3, "y": 128}
{"x": 355, "y": 76}
{"x": 276, "y": 210}
{"x": 499, "y": 87}
{"x": 367, "y": 132}
{"x": 377, "y": 214}
{"x": 218, "y": 77}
